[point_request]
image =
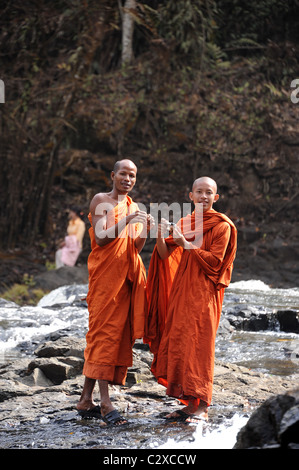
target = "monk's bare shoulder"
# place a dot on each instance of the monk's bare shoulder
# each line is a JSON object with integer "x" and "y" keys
{"x": 97, "y": 198}
{"x": 101, "y": 202}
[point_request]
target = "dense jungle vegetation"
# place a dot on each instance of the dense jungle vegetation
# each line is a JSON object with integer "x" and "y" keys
{"x": 183, "y": 88}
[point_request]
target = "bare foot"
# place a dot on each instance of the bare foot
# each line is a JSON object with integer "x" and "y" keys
{"x": 200, "y": 414}
{"x": 85, "y": 405}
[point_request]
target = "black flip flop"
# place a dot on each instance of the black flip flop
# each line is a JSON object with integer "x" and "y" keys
{"x": 113, "y": 417}
{"x": 182, "y": 416}
{"x": 94, "y": 412}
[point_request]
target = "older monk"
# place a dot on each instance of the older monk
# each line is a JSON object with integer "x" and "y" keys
{"x": 116, "y": 296}
{"x": 188, "y": 273}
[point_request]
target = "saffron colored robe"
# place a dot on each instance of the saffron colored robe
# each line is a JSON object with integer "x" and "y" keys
{"x": 185, "y": 295}
{"x": 116, "y": 300}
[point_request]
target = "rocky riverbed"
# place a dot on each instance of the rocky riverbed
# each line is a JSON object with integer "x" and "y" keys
{"x": 256, "y": 375}
{"x": 39, "y": 395}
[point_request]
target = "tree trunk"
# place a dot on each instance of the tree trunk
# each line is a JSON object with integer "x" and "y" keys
{"x": 127, "y": 31}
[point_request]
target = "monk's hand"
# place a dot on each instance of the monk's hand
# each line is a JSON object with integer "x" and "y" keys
{"x": 178, "y": 237}
{"x": 137, "y": 217}
{"x": 150, "y": 221}
{"x": 163, "y": 228}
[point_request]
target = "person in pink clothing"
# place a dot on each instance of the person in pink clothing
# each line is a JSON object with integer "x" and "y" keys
{"x": 71, "y": 247}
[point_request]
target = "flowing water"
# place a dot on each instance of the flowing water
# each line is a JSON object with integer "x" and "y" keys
{"x": 23, "y": 328}
{"x": 278, "y": 351}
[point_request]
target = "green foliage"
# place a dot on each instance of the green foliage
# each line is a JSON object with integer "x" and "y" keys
{"x": 204, "y": 77}
{"x": 22, "y": 294}
{"x": 188, "y": 26}
{"x": 249, "y": 25}
{"x": 50, "y": 266}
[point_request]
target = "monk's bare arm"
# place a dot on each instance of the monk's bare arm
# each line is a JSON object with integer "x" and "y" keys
{"x": 99, "y": 207}
{"x": 163, "y": 249}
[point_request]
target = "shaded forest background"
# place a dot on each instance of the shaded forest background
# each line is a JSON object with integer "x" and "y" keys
{"x": 206, "y": 90}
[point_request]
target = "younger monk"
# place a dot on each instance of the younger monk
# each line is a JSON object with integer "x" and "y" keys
{"x": 116, "y": 297}
{"x": 187, "y": 276}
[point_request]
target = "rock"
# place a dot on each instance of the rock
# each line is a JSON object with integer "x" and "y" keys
{"x": 67, "y": 295}
{"x": 259, "y": 260}
{"x": 37, "y": 379}
{"x": 60, "y": 360}
{"x": 274, "y": 424}
{"x": 250, "y": 318}
{"x": 66, "y": 275}
{"x": 225, "y": 327}
{"x": 54, "y": 370}
{"x": 7, "y": 304}
{"x": 289, "y": 428}
{"x": 65, "y": 346}
{"x": 140, "y": 371}
{"x": 46, "y": 389}
{"x": 288, "y": 320}
{"x": 10, "y": 389}
{"x": 239, "y": 386}
{"x": 57, "y": 369}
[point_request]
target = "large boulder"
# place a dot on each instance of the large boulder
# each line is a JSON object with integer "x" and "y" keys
{"x": 57, "y": 369}
{"x": 275, "y": 424}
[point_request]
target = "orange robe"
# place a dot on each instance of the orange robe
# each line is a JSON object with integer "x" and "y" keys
{"x": 116, "y": 300}
{"x": 185, "y": 295}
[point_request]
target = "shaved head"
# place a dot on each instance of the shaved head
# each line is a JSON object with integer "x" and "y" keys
{"x": 206, "y": 180}
{"x": 204, "y": 193}
{"x": 124, "y": 162}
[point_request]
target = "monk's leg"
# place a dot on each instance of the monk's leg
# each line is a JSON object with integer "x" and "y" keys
{"x": 86, "y": 400}
{"x": 106, "y": 405}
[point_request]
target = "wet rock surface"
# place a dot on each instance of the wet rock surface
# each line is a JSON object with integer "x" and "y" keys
{"x": 38, "y": 398}
{"x": 248, "y": 318}
{"x": 275, "y": 424}
{"x": 40, "y": 388}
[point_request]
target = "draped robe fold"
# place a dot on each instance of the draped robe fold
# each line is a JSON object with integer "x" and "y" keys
{"x": 185, "y": 295}
{"x": 116, "y": 300}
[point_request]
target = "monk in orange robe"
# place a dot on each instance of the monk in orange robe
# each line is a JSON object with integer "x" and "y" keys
{"x": 188, "y": 273}
{"x": 117, "y": 291}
